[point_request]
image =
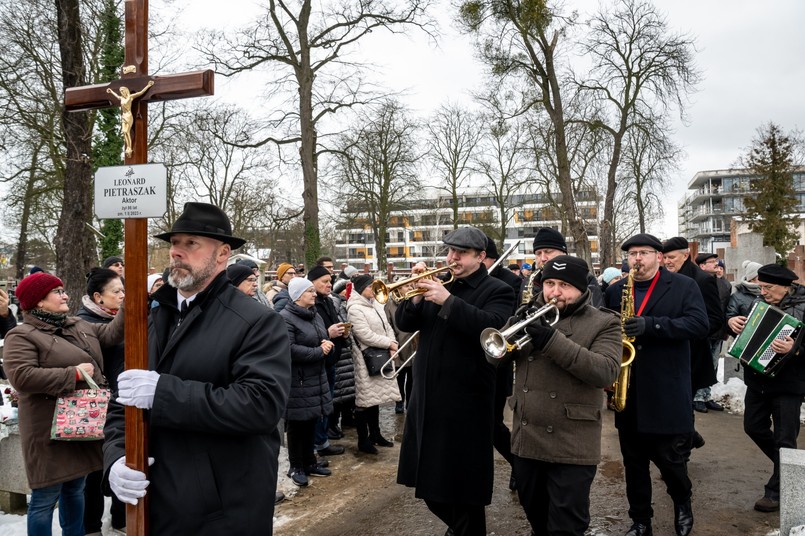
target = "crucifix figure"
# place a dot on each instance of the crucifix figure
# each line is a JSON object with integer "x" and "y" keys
{"x": 135, "y": 121}
{"x": 126, "y": 118}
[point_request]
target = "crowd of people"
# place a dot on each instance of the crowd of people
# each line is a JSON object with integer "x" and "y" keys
{"x": 232, "y": 366}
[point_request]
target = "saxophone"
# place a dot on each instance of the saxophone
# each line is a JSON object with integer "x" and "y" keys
{"x": 621, "y": 385}
{"x": 528, "y": 291}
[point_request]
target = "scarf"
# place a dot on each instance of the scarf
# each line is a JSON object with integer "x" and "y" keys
{"x": 97, "y": 309}
{"x": 54, "y": 319}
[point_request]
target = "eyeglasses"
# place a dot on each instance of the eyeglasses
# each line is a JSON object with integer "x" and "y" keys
{"x": 641, "y": 253}
{"x": 251, "y": 279}
{"x": 766, "y": 287}
{"x": 711, "y": 261}
{"x": 59, "y": 291}
{"x": 290, "y": 272}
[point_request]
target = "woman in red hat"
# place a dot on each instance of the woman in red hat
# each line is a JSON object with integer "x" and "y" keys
{"x": 42, "y": 358}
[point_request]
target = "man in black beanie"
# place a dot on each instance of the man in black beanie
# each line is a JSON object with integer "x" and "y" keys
{"x": 549, "y": 243}
{"x": 564, "y": 366}
{"x": 776, "y": 400}
{"x": 656, "y": 425}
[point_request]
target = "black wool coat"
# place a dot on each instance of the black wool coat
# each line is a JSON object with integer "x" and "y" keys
{"x": 113, "y": 356}
{"x": 659, "y": 397}
{"x": 446, "y": 451}
{"x": 310, "y": 394}
{"x": 702, "y": 372}
{"x": 225, "y": 374}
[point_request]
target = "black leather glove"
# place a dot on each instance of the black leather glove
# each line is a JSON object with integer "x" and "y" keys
{"x": 539, "y": 333}
{"x": 635, "y": 326}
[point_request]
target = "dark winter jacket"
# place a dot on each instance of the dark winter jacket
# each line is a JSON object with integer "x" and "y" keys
{"x": 7, "y": 323}
{"x": 344, "y": 388}
{"x": 659, "y": 398}
{"x": 790, "y": 379}
{"x": 742, "y": 299}
{"x": 224, "y": 381}
{"x": 310, "y": 394}
{"x": 446, "y": 450}
{"x": 113, "y": 356}
{"x": 329, "y": 314}
{"x": 703, "y": 373}
{"x": 281, "y": 299}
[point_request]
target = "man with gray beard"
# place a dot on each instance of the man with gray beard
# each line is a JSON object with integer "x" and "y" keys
{"x": 217, "y": 384}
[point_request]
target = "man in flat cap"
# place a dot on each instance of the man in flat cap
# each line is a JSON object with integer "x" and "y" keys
{"x": 772, "y": 404}
{"x": 657, "y": 423}
{"x": 560, "y": 378}
{"x": 676, "y": 257}
{"x": 446, "y": 451}
{"x": 217, "y": 385}
{"x": 548, "y": 243}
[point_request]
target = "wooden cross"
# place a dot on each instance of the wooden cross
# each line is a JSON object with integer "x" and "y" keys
{"x": 179, "y": 86}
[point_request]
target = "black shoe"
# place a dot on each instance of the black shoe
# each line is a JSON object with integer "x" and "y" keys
{"x": 381, "y": 441}
{"x": 317, "y": 470}
{"x": 367, "y": 447}
{"x": 332, "y": 450}
{"x": 715, "y": 406}
{"x": 640, "y": 529}
{"x": 399, "y": 408}
{"x": 279, "y": 497}
{"x": 698, "y": 440}
{"x": 298, "y": 476}
{"x": 323, "y": 463}
{"x": 512, "y": 483}
{"x": 683, "y": 518}
{"x": 334, "y": 434}
{"x": 699, "y": 406}
{"x": 449, "y": 532}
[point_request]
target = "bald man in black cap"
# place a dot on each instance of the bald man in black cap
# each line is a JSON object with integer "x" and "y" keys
{"x": 776, "y": 400}
{"x": 446, "y": 451}
{"x": 657, "y": 423}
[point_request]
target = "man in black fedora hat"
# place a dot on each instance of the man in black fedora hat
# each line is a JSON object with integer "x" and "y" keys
{"x": 217, "y": 385}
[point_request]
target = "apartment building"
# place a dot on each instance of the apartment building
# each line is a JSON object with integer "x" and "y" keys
{"x": 415, "y": 233}
{"x": 715, "y": 198}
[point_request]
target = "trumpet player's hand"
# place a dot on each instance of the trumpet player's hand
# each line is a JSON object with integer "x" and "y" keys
{"x": 435, "y": 291}
{"x": 634, "y": 326}
{"x": 737, "y": 323}
{"x": 540, "y": 334}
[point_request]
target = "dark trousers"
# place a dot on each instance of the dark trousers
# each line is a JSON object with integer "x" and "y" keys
{"x": 300, "y": 443}
{"x": 502, "y": 438}
{"x": 668, "y": 452}
{"x": 464, "y": 519}
{"x": 93, "y": 505}
{"x": 405, "y": 381}
{"x": 555, "y": 496}
{"x": 760, "y": 413}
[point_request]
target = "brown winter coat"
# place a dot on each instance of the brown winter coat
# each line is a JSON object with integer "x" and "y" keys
{"x": 558, "y": 396}
{"x": 40, "y": 361}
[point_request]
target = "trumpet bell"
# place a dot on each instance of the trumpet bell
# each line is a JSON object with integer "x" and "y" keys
{"x": 494, "y": 343}
{"x": 380, "y": 290}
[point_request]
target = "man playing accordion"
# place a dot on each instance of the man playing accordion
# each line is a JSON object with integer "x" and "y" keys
{"x": 775, "y": 401}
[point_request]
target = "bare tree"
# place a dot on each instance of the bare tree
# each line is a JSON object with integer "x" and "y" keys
{"x": 520, "y": 42}
{"x": 377, "y": 168}
{"x": 640, "y": 71}
{"x": 305, "y": 45}
{"x": 453, "y": 135}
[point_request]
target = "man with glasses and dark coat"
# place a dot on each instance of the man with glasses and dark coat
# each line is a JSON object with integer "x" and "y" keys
{"x": 775, "y": 401}
{"x": 657, "y": 423}
{"x": 446, "y": 451}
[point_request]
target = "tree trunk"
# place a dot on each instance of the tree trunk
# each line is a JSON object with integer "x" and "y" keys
{"x": 606, "y": 231}
{"x": 75, "y": 245}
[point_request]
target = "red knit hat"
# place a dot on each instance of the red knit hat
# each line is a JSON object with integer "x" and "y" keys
{"x": 35, "y": 288}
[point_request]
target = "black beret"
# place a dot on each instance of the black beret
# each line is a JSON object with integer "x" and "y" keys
{"x": 491, "y": 248}
{"x": 549, "y": 238}
{"x": 701, "y": 257}
{"x": 673, "y": 244}
{"x": 514, "y": 266}
{"x": 642, "y": 239}
{"x": 466, "y": 238}
{"x": 317, "y": 272}
{"x": 361, "y": 282}
{"x": 569, "y": 269}
{"x": 775, "y": 274}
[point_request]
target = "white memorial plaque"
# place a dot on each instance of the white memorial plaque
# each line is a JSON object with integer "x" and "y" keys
{"x": 136, "y": 191}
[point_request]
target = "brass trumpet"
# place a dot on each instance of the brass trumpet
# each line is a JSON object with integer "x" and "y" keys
{"x": 496, "y": 343}
{"x": 394, "y": 370}
{"x": 383, "y": 291}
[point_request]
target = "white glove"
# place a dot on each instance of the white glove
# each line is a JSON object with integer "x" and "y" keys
{"x": 126, "y": 483}
{"x": 136, "y": 388}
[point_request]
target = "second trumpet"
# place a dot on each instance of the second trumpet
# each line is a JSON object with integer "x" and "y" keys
{"x": 496, "y": 343}
{"x": 396, "y": 291}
